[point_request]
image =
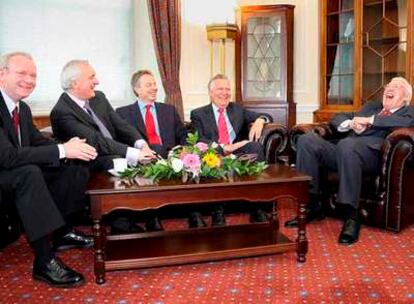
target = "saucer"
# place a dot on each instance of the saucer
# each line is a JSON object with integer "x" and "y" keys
{"x": 114, "y": 173}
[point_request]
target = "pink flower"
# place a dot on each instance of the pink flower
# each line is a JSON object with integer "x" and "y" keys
{"x": 202, "y": 146}
{"x": 192, "y": 163}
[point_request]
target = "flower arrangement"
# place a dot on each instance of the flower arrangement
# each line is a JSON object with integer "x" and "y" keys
{"x": 197, "y": 160}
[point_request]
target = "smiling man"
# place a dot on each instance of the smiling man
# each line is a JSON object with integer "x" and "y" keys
{"x": 227, "y": 123}
{"x": 44, "y": 183}
{"x": 357, "y": 153}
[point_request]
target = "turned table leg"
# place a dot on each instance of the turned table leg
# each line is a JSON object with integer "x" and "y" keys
{"x": 99, "y": 235}
{"x": 302, "y": 239}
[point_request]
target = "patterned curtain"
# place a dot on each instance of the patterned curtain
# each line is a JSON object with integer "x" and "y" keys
{"x": 165, "y": 18}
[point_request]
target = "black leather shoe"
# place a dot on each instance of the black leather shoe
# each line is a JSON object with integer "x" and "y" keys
{"x": 195, "y": 220}
{"x": 57, "y": 274}
{"x": 311, "y": 215}
{"x": 73, "y": 239}
{"x": 218, "y": 218}
{"x": 258, "y": 216}
{"x": 350, "y": 232}
{"x": 154, "y": 224}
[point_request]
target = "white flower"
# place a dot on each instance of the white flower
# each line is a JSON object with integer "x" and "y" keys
{"x": 214, "y": 145}
{"x": 162, "y": 162}
{"x": 232, "y": 156}
{"x": 177, "y": 164}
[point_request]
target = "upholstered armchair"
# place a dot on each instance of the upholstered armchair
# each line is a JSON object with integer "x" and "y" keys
{"x": 386, "y": 199}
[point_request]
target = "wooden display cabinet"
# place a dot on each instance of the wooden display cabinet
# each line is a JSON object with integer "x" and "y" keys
{"x": 364, "y": 43}
{"x": 265, "y": 71}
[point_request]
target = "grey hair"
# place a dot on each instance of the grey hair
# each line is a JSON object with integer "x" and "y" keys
{"x": 214, "y": 78}
{"x": 5, "y": 58}
{"x": 407, "y": 88}
{"x": 71, "y": 72}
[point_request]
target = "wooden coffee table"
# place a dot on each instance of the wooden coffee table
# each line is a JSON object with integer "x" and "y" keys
{"x": 151, "y": 249}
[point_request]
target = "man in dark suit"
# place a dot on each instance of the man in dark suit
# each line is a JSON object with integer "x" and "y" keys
{"x": 81, "y": 111}
{"x": 46, "y": 189}
{"x": 159, "y": 123}
{"x": 226, "y": 123}
{"x": 357, "y": 153}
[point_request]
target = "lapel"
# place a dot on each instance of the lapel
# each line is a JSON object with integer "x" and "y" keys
{"x": 233, "y": 118}
{"x": 211, "y": 121}
{"x": 25, "y": 126}
{"x": 7, "y": 122}
{"x": 79, "y": 113}
{"x": 138, "y": 120}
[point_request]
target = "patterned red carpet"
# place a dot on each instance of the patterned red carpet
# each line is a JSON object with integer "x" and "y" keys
{"x": 378, "y": 269}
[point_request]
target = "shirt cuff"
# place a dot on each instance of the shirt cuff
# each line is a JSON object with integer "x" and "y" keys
{"x": 62, "y": 153}
{"x": 345, "y": 126}
{"x": 264, "y": 118}
{"x": 132, "y": 155}
{"x": 139, "y": 144}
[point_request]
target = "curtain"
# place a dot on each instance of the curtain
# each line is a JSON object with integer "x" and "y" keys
{"x": 165, "y": 19}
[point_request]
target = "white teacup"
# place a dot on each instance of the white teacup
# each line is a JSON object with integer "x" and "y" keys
{"x": 120, "y": 164}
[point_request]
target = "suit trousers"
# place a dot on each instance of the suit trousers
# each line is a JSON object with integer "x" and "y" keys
{"x": 252, "y": 147}
{"x": 350, "y": 158}
{"x": 45, "y": 196}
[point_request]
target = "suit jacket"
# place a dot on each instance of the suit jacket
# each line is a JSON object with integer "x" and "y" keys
{"x": 382, "y": 126}
{"x": 69, "y": 120}
{"x": 172, "y": 130}
{"x": 204, "y": 122}
{"x": 34, "y": 149}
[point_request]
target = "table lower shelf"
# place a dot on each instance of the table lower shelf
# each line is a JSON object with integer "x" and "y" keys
{"x": 194, "y": 245}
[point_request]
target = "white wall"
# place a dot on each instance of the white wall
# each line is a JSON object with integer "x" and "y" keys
{"x": 195, "y": 63}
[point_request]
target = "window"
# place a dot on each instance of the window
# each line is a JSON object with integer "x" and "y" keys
{"x": 56, "y": 31}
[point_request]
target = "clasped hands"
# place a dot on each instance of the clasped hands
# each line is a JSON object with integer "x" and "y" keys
{"x": 360, "y": 124}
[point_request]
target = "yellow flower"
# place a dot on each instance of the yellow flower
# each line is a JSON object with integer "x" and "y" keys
{"x": 211, "y": 160}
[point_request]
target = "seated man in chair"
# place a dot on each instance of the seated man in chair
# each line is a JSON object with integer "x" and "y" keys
{"x": 357, "y": 153}
{"x": 223, "y": 122}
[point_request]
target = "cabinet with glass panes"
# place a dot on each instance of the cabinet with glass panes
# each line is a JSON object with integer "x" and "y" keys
{"x": 364, "y": 43}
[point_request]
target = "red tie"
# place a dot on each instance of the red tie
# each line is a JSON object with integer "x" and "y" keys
{"x": 384, "y": 112}
{"x": 15, "y": 120}
{"x": 153, "y": 137}
{"x": 222, "y": 128}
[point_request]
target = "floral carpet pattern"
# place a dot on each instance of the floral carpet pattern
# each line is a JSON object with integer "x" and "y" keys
{"x": 377, "y": 269}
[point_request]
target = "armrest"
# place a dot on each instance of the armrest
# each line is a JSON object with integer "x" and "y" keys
{"x": 323, "y": 129}
{"x": 274, "y": 140}
{"x": 397, "y": 154}
{"x": 47, "y": 132}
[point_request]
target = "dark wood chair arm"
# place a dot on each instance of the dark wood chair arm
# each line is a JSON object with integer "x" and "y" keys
{"x": 274, "y": 140}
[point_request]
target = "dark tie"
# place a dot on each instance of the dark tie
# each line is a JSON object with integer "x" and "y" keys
{"x": 153, "y": 137}
{"x": 16, "y": 120}
{"x": 384, "y": 112}
{"x": 222, "y": 128}
{"x": 98, "y": 122}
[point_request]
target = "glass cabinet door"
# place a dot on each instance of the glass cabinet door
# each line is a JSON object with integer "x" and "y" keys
{"x": 384, "y": 45}
{"x": 340, "y": 39}
{"x": 263, "y": 66}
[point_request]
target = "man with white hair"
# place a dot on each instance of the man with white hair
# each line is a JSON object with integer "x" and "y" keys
{"x": 357, "y": 153}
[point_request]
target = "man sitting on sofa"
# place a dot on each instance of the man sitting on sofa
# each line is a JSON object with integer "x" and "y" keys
{"x": 225, "y": 122}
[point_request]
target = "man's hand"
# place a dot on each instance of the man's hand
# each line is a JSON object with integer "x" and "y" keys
{"x": 230, "y": 148}
{"x": 146, "y": 154}
{"x": 256, "y": 129}
{"x": 360, "y": 124}
{"x": 77, "y": 148}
